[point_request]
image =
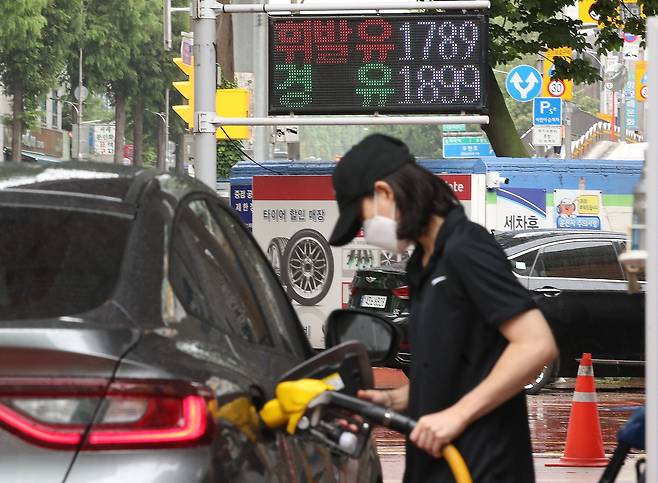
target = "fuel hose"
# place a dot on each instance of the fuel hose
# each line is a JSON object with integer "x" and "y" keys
{"x": 402, "y": 424}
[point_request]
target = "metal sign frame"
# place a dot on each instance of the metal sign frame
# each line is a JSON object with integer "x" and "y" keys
{"x": 204, "y": 17}
{"x": 340, "y": 6}
{"x": 206, "y": 122}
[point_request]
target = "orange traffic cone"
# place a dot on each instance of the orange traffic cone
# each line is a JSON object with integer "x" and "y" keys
{"x": 584, "y": 441}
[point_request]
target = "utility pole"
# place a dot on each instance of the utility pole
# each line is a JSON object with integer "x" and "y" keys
{"x": 261, "y": 133}
{"x": 293, "y": 148}
{"x": 80, "y": 96}
{"x": 162, "y": 158}
{"x": 167, "y": 39}
{"x": 622, "y": 99}
{"x": 166, "y": 126}
{"x": 567, "y": 129}
{"x": 205, "y": 84}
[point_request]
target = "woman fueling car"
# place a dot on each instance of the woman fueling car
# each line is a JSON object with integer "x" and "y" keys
{"x": 476, "y": 335}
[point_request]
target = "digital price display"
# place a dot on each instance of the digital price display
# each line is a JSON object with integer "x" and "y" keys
{"x": 395, "y": 64}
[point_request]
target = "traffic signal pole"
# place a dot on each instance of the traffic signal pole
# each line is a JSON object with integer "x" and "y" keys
{"x": 651, "y": 314}
{"x": 205, "y": 84}
{"x": 261, "y": 133}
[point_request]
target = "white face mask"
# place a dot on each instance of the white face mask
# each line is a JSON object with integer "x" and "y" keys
{"x": 381, "y": 231}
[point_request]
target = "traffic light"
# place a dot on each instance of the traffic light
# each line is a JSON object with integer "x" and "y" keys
{"x": 228, "y": 103}
{"x": 232, "y": 103}
{"x": 186, "y": 88}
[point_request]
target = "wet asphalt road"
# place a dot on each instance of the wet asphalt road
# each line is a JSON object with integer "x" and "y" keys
{"x": 548, "y": 417}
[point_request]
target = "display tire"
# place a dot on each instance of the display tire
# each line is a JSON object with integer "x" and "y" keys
{"x": 386, "y": 258}
{"x": 304, "y": 256}
{"x": 275, "y": 251}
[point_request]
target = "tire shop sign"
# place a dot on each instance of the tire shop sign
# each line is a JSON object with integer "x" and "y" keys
{"x": 292, "y": 218}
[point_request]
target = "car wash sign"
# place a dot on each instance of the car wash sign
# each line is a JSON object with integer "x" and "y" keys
{"x": 578, "y": 209}
{"x": 356, "y": 64}
{"x": 520, "y": 209}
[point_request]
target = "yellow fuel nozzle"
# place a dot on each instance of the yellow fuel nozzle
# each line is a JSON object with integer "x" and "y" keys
{"x": 292, "y": 399}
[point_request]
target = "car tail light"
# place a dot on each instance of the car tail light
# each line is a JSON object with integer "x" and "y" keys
{"x": 402, "y": 292}
{"x": 129, "y": 414}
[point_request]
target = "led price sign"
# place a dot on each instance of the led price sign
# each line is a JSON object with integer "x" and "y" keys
{"x": 402, "y": 64}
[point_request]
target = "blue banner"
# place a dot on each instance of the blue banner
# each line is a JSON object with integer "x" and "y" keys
{"x": 242, "y": 198}
{"x": 579, "y": 222}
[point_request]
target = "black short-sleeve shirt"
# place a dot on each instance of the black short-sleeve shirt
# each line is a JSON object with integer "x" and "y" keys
{"x": 458, "y": 302}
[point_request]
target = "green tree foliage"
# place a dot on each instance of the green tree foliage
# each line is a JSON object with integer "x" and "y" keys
{"x": 95, "y": 108}
{"x": 328, "y": 142}
{"x": 586, "y": 103}
{"x": 610, "y": 11}
{"x": 35, "y": 38}
{"x": 228, "y": 153}
{"x": 115, "y": 32}
{"x": 154, "y": 72}
{"x": 520, "y": 112}
{"x": 21, "y": 23}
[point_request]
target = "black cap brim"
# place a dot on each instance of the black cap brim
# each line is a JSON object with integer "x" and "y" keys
{"x": 348, "y": 224}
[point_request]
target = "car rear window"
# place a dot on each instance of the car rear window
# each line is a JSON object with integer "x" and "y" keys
{"x": 595, "y": 259}
{"x": 56, "y": 262}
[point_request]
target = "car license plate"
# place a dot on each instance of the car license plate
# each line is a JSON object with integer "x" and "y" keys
{"x": 373, "y": 301}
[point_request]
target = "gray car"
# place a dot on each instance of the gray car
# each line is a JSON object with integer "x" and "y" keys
{"x": 141, "y": 329}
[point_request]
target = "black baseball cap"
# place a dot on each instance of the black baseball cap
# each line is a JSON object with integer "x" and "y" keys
{"x": 374, "y": 158}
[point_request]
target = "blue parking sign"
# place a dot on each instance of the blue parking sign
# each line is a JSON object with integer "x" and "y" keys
{"x": 547, "y": 111}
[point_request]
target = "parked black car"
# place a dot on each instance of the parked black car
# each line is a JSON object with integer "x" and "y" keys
{"x": 141, "y": 329}
{"x": 577, "y": 281}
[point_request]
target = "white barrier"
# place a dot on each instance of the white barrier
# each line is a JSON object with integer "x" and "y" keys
{"x": 598, "y": 132}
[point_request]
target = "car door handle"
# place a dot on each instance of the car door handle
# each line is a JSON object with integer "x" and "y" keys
{"x": 549, "y": 291}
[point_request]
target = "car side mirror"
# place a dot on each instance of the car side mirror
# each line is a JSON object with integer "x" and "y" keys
{"x": 377, "y": 334}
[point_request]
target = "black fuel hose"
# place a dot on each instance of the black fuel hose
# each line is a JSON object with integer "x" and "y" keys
{"x": 378, "y": 414}
{"x": 402, "y": 424}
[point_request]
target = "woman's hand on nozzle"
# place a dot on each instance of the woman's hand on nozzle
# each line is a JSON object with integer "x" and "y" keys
{"x": 395, "y": 399}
